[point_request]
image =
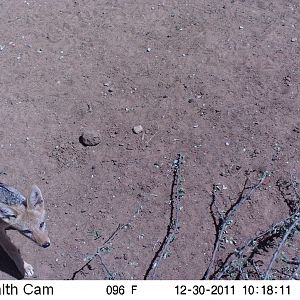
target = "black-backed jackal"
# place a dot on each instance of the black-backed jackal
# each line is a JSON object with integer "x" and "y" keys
{"x": 25, "y": 215}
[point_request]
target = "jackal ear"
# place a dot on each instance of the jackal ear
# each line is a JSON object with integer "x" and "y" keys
{"x": 7, "y": 211}
{"x": 35, "y": 199}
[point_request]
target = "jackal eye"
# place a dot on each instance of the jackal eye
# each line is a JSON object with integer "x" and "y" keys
{"x": 27, "y": 231}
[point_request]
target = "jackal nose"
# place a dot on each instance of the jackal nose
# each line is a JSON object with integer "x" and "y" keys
{"x": 45, "y": 245}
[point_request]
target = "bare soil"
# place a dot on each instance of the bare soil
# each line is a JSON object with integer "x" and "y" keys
{"x": 214, "y": 80}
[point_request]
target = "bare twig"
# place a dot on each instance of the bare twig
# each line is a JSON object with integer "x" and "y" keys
{"x": 226, "y": 221}
{"x": 288, "y": 232}
{"x": 113, "y": 235}
{"x": 253, "y": 245}
{"x": 110, "y": 238}
{"x": 296, "y": 273}
{"x": 294, "y": 185}
{"x": 173, "y": 226}
{"x": 110, "y": 275}
{"x": 80, "y": 270}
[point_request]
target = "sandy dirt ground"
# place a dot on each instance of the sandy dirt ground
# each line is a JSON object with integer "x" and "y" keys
{"x": 214, "y": 80}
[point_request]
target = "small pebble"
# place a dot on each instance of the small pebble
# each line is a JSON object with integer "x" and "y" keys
{"x": 294, "y": 39}
{"x": 137, "y": 129}
{"x": 148, "y": 49}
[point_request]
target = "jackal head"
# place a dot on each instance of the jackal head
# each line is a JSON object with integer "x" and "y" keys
{"x": 28, "y": 218}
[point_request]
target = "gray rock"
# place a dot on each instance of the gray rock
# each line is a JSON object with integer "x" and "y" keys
{"x": 89, "y": 138}
{"x": 137, "y": 129}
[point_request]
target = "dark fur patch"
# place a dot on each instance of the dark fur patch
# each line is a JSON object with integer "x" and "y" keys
{"x": 10, "y": 196}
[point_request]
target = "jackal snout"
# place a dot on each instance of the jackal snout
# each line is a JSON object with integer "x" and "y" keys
{"x": 38, "y": 233}
{"x": 46, "y": 245}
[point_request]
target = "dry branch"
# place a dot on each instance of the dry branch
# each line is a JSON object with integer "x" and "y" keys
{"x": 240, "y": 263}
{"x": 286, "y": 235}
{"x": 227, "y": 220}
{"x": 173, "y": 227}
